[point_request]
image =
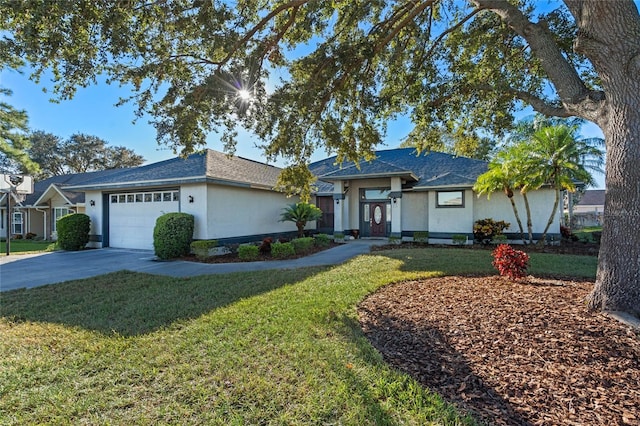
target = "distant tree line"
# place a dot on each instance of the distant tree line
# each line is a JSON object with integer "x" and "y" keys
{"x": 79, "y": 153}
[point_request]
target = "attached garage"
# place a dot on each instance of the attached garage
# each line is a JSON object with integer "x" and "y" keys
{"x": 132, "y": 216}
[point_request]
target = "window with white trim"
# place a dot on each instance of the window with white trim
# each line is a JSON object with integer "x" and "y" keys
{"x": 145, "y": 197}
{"x": 17, "y": 222}
{"x": 58, "y": 212}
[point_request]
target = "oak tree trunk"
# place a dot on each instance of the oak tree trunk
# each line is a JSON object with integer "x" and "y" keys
{"x": 617, "y": 285}
{"x": 610, "y": 36}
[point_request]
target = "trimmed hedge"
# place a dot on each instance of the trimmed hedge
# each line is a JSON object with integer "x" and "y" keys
{"x": 282, "y": 250}
{"x": 302, "y": 245}
{"x": 73, "y": 231}
{"x": 322, "y": 240}
{"x": 248, "y": 252}
{"x": 172, "y": 235}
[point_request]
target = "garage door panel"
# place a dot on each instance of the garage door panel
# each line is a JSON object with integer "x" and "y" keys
{"x": 131, "y": 223}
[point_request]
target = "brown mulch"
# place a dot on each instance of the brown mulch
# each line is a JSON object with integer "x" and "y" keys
{"x": 511, "y": 353}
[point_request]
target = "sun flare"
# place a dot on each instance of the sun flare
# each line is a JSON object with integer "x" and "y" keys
{"x": 244, "y": 94}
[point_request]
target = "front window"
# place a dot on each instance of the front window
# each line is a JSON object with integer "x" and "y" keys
{"x": 375, "y": 193}
{"x": 450, "y": 198}
{"x": 58, "y": 212}
{"x": 17, "y": 222}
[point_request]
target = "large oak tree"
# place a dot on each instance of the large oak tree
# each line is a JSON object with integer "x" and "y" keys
{"x": 352, "y": 66}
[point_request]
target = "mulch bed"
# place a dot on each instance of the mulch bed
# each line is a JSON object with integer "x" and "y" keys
{"x": 511, "y": 353}
{"x": 233, "y": 257}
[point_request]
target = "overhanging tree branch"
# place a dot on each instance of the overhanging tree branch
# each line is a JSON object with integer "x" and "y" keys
{"x": 563, "y": 75}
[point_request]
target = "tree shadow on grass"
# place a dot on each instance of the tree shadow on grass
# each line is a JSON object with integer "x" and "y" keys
{"x": 130, "y": 303}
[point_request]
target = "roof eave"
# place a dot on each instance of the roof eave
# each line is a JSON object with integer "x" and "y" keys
{"x": 436, "y": 187}
{"x": 167, "y": 182}
{"x": 406, "y": 174}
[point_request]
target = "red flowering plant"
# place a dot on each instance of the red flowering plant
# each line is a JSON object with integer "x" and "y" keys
{"x": 510, "y": 263}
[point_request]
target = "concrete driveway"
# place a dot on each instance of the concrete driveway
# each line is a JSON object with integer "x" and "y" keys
{"x": 32, "y": 270}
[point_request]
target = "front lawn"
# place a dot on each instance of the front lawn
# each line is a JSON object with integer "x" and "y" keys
{"x": 276, "y": 347}
{"x": 25, "y": 246}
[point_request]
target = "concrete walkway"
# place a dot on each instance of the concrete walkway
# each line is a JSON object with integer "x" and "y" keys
{"x": 32, "y": 270}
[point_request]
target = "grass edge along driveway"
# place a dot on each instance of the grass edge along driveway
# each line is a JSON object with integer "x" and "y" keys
{"x": 276, "y": 347}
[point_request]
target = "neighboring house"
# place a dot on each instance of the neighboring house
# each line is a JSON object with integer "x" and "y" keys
{"x": 590, "y": 209}
{"x": 38, "y": 212}
{"x": 232, "y": 199}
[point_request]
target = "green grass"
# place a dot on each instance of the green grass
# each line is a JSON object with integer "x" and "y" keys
{"x": 25, "y": 246}
{"x": 276, "y": 347}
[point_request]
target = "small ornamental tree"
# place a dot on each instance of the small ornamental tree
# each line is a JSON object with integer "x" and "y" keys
{"x": 510, "y": 263}
{"x": 300, "y": 214}
{"x": 73, "y": 231}
{"x": 172, "y": 235}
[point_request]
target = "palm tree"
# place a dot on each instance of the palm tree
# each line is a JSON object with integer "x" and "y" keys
{"x": 557, "y": 157}
{"x": 502, "y": 176}
{"x": 300, "y": 214}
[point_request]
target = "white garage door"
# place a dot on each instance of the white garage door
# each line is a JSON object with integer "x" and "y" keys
{"x": 132, "y": 217}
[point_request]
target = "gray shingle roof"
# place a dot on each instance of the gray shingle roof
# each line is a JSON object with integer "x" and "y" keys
{"x": 205, "y": 166}
{"x": 592, "y": 197}
{"x": 431, "y": 169}
{"x": 64, "y": 181}
{"x": 368, "y": 169}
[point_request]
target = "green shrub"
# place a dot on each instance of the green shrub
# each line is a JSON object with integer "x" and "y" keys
{"x": 248, "y": 252}
{"x": 421, "y": 237}
{"x": 322, "y": 240}
{"x": 394, "y": 239}
{"x": 485, "y": 229}
{"x": 302, "y": 245}
{"x": 459, "y": 239}
{"x": 499, "y": 239}
{"x": 201, "y": 248}
{"x": 172, "y": 235}
{"x": 73, "y": 231}
{"x": 282, "y": 250}
{"x": 338, "y": 236}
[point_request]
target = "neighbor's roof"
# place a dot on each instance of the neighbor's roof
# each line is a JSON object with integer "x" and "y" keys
{"x": 207, "y": 166}
{"x": 428, "y": 170}
{"x": 62, "y": 182}
{"x": 592, "y": 197}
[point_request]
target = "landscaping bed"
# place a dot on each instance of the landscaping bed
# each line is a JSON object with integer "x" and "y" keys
{"x": 565, "y": 247}
{"x": 233, "y": 257}
{"x": 512, "y": 353}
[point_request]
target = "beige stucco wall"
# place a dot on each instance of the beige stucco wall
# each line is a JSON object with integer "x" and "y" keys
{"x": 95, "y": 214}
{"x": 198, "y": 208}
{"x": 498, "y": 207}
{"x": 237, "y": 211}
{"x": 415, "y": 212}
{"x": 451, "y": 219}
{"x": 35, "y": 222}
